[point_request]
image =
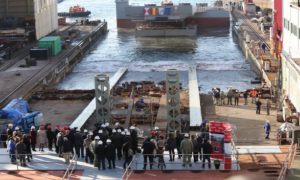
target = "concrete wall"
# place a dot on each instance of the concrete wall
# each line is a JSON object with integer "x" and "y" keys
{"x": 166, "y": 32}
{"x": 45, "y": 17}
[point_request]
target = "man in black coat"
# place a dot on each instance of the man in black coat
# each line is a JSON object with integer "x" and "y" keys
{"x": 148, "y": 147}
{"x": 72, "y": 138}
{"x": 200, "y": 141}
{"x": 102, "y": 137}
{"x": 178, "y": 138}
{"x": 207, "y": 149}
{"x": 10, "y": 130}
{"x": 100, "y": 153}
{"x": 110, "y": 154}
{"x": 116, "y": 141}
{"x": 78, "y": 143}
{"x": 258, "y": 104}
{"x": 49, "y": 137}
{"x": 134, "y": 137}
{"x": 67, "y": 149}
{"x": 127, "y": 138}
{"x": 55, "y": 132}
{"x": 108, "y": 129}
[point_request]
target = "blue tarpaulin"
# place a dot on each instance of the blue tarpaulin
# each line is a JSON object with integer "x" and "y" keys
{"x": 15, "y": 109}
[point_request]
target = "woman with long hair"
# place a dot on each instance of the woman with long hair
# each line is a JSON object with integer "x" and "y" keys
{"x": 171, "y": 142}
{"x": 160, "y": 151}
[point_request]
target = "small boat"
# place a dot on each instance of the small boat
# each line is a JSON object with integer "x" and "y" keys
{"x": 75, "y": 11}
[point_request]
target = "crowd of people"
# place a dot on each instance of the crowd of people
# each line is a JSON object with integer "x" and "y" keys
{"x": 105, "y": 144}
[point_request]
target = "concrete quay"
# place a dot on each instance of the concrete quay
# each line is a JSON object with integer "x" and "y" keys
{"x": 47, "y": 72}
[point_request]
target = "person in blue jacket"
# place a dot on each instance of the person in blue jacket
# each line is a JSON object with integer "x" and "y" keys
{"x": 267, "y": 128}
{"x": 139, "y": 104}
{"x": 203, "y": 128}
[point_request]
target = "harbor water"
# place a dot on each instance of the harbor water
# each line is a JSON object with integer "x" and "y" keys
{"x": 214, "y": 51}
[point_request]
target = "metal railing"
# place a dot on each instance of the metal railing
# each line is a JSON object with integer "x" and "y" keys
{"x": 128, "y": 170}
{"x": 71, "y": 167}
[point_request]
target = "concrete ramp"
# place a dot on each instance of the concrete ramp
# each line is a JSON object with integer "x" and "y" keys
{"x": 258, "y": 149}
{"x": 90, "y": 109}
{"x": 194, "y": 97}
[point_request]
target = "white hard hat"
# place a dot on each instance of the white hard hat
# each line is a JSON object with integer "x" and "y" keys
{"x": 128, "y": 133}
{"x": 17, "y": 128}
{"x": 100, "y": 131}
{"x": 90, "y": 133}
{"x": 116, "y": 124}
{"x": 156, "y": 128}
{"x": 119, "y": 130}
{"x": 10, "y": 125}
{"x": 267, "y": 99}
{"x": 100, "y": 142}
{"x": 97, "y": 137}
{"x": 253, "y": 88}
{"x": 32, "y": 127}
{"x": 114, "y": 131}
{"x": 123, "y": 133}
{"x": 186, "y": 135}
{"x": 85, "y": 130}
{"x": 268, "y": 121}
{"x": 107, "y": 124}
{"x": 103, "y": 125}
{"x": 126, "y": 130}
{"x": 131, "y": 127}
{"x": 108, "y": 141}
{"x": 77, "y": 129}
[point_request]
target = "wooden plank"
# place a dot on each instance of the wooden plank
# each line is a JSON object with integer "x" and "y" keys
{"x": 194, "y": 97}
{"x": 90, "y": 109}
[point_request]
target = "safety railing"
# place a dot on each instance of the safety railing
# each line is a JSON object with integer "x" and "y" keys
{"x": 128, "y": 170}
{"x": 16, "y": 160}
{"x": 70, "y": 168}
{"x": 288, "y": 162}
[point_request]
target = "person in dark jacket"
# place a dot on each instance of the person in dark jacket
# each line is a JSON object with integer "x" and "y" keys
{"x": 72, "y": 139}
{"x": 128, "y": 157}
{"x": 79, "y": 143}
{"x": 67, "y": 149}
{"x": 33, "y": 136}
{"x": 102, "y": 137}
{"x": 10, "y": 130}
{"x": 178, "y": 138}
{"x": 110, "y": 154}
{"x": 171, "y": 142}
{"x": 59, "y": 141}
{"x": 85, "y": 134}
{"x": 127, "y": 138}
{"x": 21, "y": 151}
{"x": 28, "y": 149}
{"x": 148, "y": 151}
{"x": 108, "y": 129}
{"x": 12, "y": 150}
{"x": 207, "y": 150}
{"x": 134, "y": 137}
{"x": 236, "y": 96}
{"x": 258, "y": 104}
{"x": 245, "y": 95}
{"x": 49, "y": 137}
{"x": 4, "y": 137}
{"x": 199, "y": 140}
{"x": 100, "y": 153}
{"x": 55, "y": 132}
{"x": 116, "y": 141}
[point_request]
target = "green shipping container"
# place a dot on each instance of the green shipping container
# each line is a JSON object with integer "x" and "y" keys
{"x": 51, "y": 41}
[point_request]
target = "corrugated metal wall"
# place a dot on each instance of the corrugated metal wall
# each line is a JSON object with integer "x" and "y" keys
{"x": 45, "y": 17}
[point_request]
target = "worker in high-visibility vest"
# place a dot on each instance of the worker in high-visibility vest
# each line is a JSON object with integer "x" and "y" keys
{"x": 253, "y": 94}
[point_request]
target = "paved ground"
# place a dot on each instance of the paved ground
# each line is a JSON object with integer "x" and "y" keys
{"x": 249, "y": 124}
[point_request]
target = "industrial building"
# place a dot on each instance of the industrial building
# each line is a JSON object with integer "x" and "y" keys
{"x": 37, "y": 15}
{"x": 290, "y": 57}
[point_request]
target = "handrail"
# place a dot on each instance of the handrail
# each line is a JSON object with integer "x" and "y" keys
{"x": 74, "y": 163}
{"x": 127, "y": 169}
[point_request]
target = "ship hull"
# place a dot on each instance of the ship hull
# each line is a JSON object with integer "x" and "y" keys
{"x": 79, "y": 14}
{"x": 201, "y": 22}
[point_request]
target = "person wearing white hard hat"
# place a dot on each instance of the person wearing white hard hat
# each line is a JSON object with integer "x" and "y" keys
{"x": 134, "y": 137}
{"x": 100, "y": 155}
{"x": 268, "y": 106}
{"x": 85, "y": 133}
{"x": 236, "y": 96}
{"x": 119, "y": 126}
{"x": 17, "y": 132}
{"x": 79, "y": 143}
{"x": 187, "y": 148}
{"x": 86, "y": 143}
{"x": 33, "y": 136}
{"x": 267, "y": 128}
{"x": 92, "y": 147}
{"x": 100, "y": 152}
{"x": 10, "y": 130}
{"x": 102, "y": 137}
{"x": 110, "y": 154}
{"x": 108, "y": 129}
{"x": 116, "y": 141}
